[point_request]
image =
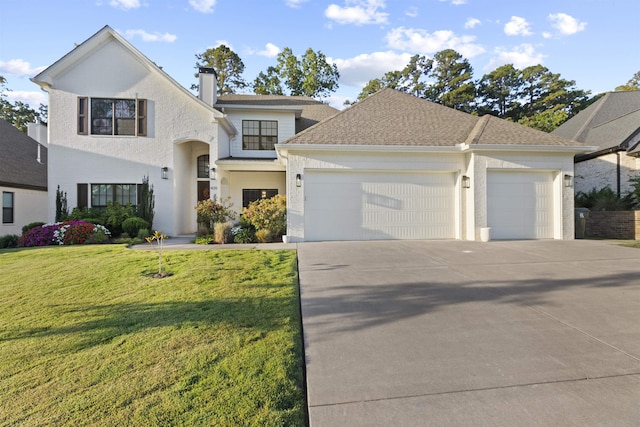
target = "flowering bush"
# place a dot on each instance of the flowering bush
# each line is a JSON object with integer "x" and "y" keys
{"x": 64, "y": 233}
{"x": 268, "y": 214}
{"x": 211, "y": 211}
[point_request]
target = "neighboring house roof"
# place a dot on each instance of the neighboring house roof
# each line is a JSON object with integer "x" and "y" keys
{"x": 393, "y": 118}
{"x": 311, "y": 111}
{"x": 612, "y": 122}
{"x": 19, "y": 166}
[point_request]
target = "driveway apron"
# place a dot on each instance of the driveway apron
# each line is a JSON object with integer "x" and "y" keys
{"x": 409, "y": 333}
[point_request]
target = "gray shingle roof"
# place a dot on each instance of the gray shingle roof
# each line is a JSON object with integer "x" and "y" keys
{"x": 18, "y": 159}
{"x": 313, "y": 111}
{"x": 608, "y": 122}
{"x": 393, "y": 118}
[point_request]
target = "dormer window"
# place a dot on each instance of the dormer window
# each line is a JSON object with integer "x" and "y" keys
{"x": 259, "y": 134}
{"x": 112, "y": 116}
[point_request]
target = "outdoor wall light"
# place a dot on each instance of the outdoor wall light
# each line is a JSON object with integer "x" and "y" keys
{"x": 164, "y": 172}
{"x": 568, "y": 180}
{"x": 213, "y": 173}
{"x": 298, "y": 180}
{"x": 466, "y": 181}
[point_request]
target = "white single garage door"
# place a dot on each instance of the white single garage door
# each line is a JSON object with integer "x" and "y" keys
{"x": 378, "y": 205}
{"x": 520, "y": 205}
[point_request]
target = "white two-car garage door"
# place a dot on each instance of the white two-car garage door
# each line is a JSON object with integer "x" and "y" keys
{"x": 349, "y": 205}
{"x": 520, "y": 205}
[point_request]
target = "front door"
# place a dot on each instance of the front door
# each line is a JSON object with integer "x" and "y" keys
{"x": 203, "y": 190}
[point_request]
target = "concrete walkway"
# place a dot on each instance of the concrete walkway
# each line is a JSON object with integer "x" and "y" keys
{"x": 185, "y": 242}
{"x": 419, "y": 333}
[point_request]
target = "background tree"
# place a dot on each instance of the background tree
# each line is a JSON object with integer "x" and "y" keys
{"x": 632, "y": 84}
{"x": 499, "y": 92}
{"x": 548, "y": 99}
{"x": 309, "y": 76}
{"x": 452, "y": 85}
{"x": 411, "y": 79}
{"x": 18, "y": 113}
{"x": 268, "y": 83}
{"x": 228, "y": 65}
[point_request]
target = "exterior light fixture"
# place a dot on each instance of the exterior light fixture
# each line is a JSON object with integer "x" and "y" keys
{"x": 213, "y": 173}
{"x": 298, "y": 180}
{"x": 164, "y": 172}
{"x": 568, "y": 180}
{"x": 466, "y": 181}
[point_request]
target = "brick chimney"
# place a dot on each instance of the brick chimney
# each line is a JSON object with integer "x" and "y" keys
{"x": 207, "y": 85}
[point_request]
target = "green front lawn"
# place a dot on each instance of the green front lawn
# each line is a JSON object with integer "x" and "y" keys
{"x": 89, "y": 337}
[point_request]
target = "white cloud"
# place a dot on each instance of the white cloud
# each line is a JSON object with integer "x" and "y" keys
{"x": 521, "y": 56}
{"x": 19, "y": 68}
{"x": 358, "y": 12}
{"x": 294, "y": 3}
{"x": 203, "y": 6}
{"x": 357, "y": 71}
{"x": 34, "y": 99}
{"x": 472, "y": 23}
{"x": 125, "y": 4}
{"x": 270, "y": 51}
{"x": 148, "y": 37}
{"x": 412, "y": 12}
{"x": 566, "y": 24}
{"x": 455, "y": 2}
{"x": 421, "y": 41}
{"x": 518, "y": 26}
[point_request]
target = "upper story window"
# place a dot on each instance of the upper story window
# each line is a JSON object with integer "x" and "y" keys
{"x": 203, "y": 166}
{"x": 259, "y": 134}
{"x": 112, "y": 116}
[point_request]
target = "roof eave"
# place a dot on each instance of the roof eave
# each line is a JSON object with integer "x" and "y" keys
{"x": 520, "y": 147}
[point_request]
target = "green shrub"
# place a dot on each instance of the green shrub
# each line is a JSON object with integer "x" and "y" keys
{"x": 268, "y": 214}
{"x": 133, "y": 225}
{"x": 245, "y": 235}
{"x": 115, "y": 215}
{"x": 222, "y": 232}
{"x": 143, "y": 233}
{"x": 31, "y": 226}
{"x": 204, "y": 240}
{"x": 604, "y": 199}
{"x": 9, "y": 241}
{"x": 211, "y": 211}
{"x": 264, "y": 236}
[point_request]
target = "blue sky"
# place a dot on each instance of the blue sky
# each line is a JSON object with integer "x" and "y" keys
{"x": 593, "y": 42}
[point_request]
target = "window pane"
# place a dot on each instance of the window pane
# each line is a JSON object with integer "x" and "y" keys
{"x": 203, "y": 166}
{"x": 7, "y": 207}
{"x": 125, "y": 109}
{"x": 125, "y": 127}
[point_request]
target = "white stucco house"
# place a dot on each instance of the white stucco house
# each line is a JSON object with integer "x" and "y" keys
{"x": 23, "y": 177}
{"x": 115, "y": 117}
{"x": 611, "y": 125}
{"x": 392, "y": 166}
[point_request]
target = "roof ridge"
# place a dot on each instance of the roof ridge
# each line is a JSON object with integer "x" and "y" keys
{"x": 617, "y": 118}
{"x": 478, "y": 129}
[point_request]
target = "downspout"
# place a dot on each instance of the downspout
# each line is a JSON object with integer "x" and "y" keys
{"x": 618, "y": 171}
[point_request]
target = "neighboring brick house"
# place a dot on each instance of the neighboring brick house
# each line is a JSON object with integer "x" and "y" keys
{"x": 23, "y": 179}
{"x": 612, "y": 125}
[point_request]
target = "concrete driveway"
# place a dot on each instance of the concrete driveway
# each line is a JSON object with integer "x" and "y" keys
{"x": 413, "y": 333}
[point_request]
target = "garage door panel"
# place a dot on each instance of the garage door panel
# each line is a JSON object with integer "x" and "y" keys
{"x": 520, "y": 205}
{"x": 374, "y": 205}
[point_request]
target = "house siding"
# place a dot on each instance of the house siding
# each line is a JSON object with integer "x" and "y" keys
{"x": 28, "y": 206}
{"x": 174, "y": 119}
{"x": 286, "y": 129}
{"x": 602, "y": 172}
